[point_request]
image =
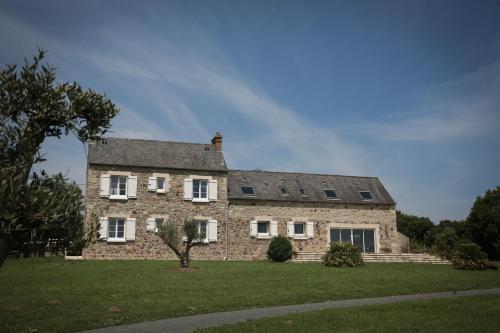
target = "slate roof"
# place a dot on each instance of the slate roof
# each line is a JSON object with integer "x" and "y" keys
{"x": 156, "y": 154}
{"x": 267, "y": 187}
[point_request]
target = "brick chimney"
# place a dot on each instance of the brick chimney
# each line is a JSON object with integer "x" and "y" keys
{"x": 217, "y": 141}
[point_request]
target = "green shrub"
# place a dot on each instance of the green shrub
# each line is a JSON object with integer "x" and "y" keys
{"x": 280, "y": 249}
{"x": 469, "y": 256}
{"x": 416, "y": 246}
{"x": 445, "y": 243}
{"x": 342, "y": 255}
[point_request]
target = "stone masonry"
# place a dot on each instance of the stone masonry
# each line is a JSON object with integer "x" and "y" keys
{"x": 148, "y": 245}
{"x": 324, "y": 215}
{"x": 280, "y": 197}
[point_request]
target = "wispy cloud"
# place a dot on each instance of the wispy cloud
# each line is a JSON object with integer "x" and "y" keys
{"x": 310, "y": 147}
{"x": 457, "y": 109}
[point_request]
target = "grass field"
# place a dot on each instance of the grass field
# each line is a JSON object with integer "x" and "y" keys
{"x": 53, "y": 295}
{"x": 466, "y": 314}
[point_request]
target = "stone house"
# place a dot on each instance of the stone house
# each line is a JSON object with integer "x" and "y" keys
{"x": 132, "y": 185}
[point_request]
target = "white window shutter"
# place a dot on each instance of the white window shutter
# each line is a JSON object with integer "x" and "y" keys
{"x": 188, "y": 189}
{"x": 310, "y": 229}
{"x": 274, "y": 228}
{"x": 212, "y": 230}
{"x": 150, "y": 224}
{"x": 152, "y": 184}
{"x": 130, "y": 229}
{"x": 291, "y": 231}
{"x": 104, "y": 190}
{"x": 212, "y": 190}
{"x": 132, "y": 186}
{"x": 103, "y": 228}
{"x": 253, "y": 228}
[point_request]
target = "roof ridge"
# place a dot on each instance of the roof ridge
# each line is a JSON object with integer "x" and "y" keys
{"x": 305, "y": 173}
{"x": 150, "y": 140}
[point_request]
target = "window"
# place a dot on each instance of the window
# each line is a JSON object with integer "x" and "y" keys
{"x": 118, "y": 187}
{"x": 200, "y": 190}
{"x": 159, "y": 221}
{"x": 298, "y": 229}
{"x": 202, "y": 230}
{"x": 364, "y": 239}
{"x": 283, "y": 190}
{"x": 263, "y": 228}
{"x": 160, "y": 183}
{"x": 302, "y": 191}
{"x": 331, "y": 194}
{"x": 366, "y": 195}
{"x": 116, "y": 229}
{"x": 247, "y": 190}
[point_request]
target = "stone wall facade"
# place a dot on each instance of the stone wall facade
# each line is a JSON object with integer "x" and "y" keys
{"x": 147, "y": 245}
{"x": 233, "y": 219}
{"x": 323, "y": 215}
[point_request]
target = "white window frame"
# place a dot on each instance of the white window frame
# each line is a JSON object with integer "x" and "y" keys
{"x": 118, "y": 196}
{"x": 304, "y": 231}
{"x": 351, "y": 239}
{"x": 198, "y": 226}
{"x": 266, "y": 234}
{"x": 163, "y": 220}
{"x": 200, "y": 199}
{"x": 116, "y": 238}
{"x": 162, "y": 189}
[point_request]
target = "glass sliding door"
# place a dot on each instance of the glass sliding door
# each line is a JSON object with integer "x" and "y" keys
{"x": 369, "y": 237}
{"x": 334, "y": 235}
{"x": 363, "y": 239}
{"x": 345, "y": 235}
{"x": 357, "y": 238}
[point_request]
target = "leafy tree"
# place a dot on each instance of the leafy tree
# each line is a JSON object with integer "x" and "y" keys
{"x": 33, "y": 106}
{"x": 445, "y": 242}
{"x": 181, "y": 246}
{"x": 419, "y": 229}
{"x": 483, "y": 223}
{"x": 50, "y": 210}
{"x": 459, "y": 227}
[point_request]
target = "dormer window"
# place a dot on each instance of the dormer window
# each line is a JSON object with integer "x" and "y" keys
{"x": 247, "y": 190}
{"x": 366, "y": 195}
{"x": 283, "y": 190}
{"x": 331, "y": 194}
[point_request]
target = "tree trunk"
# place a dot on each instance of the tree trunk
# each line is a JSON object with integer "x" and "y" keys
{"x": 5, "y": 244}
{"x": 184, "y": 260}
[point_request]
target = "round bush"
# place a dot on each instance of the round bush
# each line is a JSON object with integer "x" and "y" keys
{"x": 342, "y": 255}
{"x": 280, "y": 249}
{"x": 469, "y": 256}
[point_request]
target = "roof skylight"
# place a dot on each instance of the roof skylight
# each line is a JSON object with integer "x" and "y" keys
{"x": 366, "y": 195}
{"x": 247, "y": 190}
{"x": 331, "y": 194}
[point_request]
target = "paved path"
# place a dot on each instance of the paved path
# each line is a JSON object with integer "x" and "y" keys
{"x": 190, "y": 323}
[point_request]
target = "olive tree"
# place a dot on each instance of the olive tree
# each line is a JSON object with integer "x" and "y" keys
{"x": 181, "y": 242}
{"x": 34, "y": 106}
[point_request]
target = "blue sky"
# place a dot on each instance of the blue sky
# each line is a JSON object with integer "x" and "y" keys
{"x": 408, "y": 91}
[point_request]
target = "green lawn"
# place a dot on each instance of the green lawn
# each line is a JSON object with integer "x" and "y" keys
{"x": 466, "y": 314}
{"x": 57, "y": 296}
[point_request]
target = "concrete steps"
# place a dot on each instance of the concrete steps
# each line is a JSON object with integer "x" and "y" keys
{"x": 377, "y": 257}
